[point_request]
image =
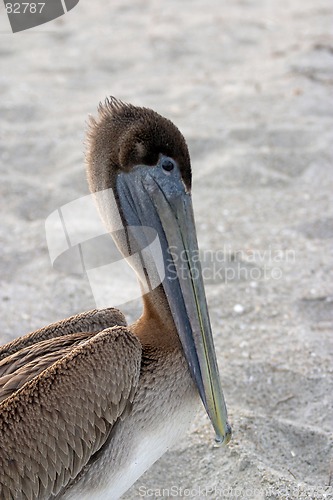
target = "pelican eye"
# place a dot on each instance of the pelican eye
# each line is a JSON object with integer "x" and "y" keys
{"x": 167, "y": 165}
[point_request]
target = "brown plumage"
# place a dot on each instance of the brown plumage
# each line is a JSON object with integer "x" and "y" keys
{"x": 88, "y": 404}
{"x": 56, "y": 381}
{"x": 141, "y": 136}
{"x": 90, "y": 321}
{"x": 26, "y": 357}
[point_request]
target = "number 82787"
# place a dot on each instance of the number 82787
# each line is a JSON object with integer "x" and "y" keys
{"x": 24, "y": 8}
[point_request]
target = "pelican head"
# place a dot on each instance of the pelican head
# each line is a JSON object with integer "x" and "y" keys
{"x": 144, "y": 159}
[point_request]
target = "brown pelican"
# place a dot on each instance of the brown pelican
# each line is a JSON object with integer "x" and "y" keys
{"x": 88, "y": 404}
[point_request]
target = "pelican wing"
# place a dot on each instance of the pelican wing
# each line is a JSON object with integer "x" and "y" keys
{"x": 24, "y": 365}
{"x": 89, "y": 321}
{"x": 68, "y": 395}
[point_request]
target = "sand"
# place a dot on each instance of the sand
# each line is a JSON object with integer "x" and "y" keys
{"x": 249, "y": 84}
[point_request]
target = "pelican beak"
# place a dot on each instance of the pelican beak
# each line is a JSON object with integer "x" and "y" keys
{"x": 184, "y": 288}
{"x": 169, "y": 209}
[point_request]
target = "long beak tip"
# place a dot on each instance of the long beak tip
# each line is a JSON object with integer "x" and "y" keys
{"x": 224, "y": 439}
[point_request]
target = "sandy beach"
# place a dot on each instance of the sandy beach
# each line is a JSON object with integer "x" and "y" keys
{"x": 249, "y": 84}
